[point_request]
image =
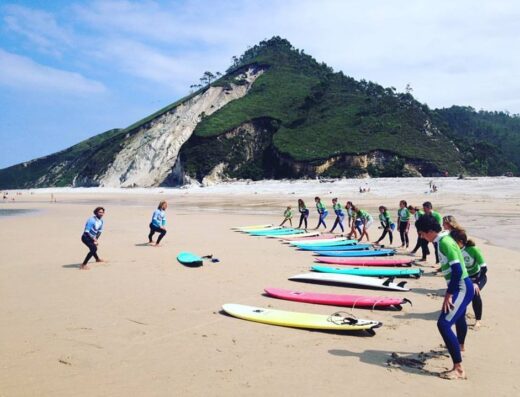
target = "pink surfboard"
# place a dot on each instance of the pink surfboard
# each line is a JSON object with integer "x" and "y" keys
{"x": 337, "y": 299}
{"x": 364, "y": 261}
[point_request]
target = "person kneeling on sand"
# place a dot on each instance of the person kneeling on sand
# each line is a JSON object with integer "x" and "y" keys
{"x": 158, "y": 223}
{"x": 91, "y": 234}
{"x": 458, "y": 295}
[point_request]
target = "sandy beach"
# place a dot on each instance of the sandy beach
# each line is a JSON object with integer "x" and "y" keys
{"x": 143, "y": 324}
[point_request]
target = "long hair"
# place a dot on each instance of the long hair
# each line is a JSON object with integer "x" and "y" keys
{"x": 161, "y": 203}
{"x": 450, "y": 220}
{"x": 460, "y": 236}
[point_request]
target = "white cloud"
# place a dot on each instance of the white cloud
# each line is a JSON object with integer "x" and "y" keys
{"x": 38, "y": 27}
{"x": 23, "y": 73}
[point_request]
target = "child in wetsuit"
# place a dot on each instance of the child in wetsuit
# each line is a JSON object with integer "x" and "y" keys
{"x": 287, "y": 215}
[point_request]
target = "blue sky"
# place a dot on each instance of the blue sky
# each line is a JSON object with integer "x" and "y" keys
{"x": 73, "y": 69}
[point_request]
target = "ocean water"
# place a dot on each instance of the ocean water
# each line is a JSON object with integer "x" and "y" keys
{"x": 14, "y": 212}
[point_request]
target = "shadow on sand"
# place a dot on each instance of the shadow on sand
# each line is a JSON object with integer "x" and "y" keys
{"x": 413, "y": 363}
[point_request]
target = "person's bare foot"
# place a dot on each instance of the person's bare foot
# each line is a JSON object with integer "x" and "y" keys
{"x": 101, "y": 260}
{"x": 84, "y": 267}
{"x": 454, "y": 374}
{"x": 477, "y": 325}
{"x": 462, "y": 348}
{"x": 157, "y": 245}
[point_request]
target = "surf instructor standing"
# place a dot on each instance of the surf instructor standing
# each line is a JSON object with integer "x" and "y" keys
{"x": 91, "y": 234}
{"x": 458, "y": 295}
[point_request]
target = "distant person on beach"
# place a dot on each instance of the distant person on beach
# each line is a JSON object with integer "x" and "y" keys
{"x": 476, "y": 267}
{"x": 287, "y": 216}
{"x": 386, "y": 223}
{"x": 322, "y": 212}
{"x": 428, "y": 210}
{"x": 421, "y": 243}
{"x": 91, "y": 234}
{"x": 366, "y": 220}
{"x": 304, "y": 213}
{"x": 158, "y": 223}
{"x": 403, "y": 223}
{"x": 340, "y": 215}
{"x": 459, "y": 294}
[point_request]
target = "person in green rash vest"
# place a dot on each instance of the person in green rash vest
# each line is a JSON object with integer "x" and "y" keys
{"x": 351, "y": 219}
{"x": 322, "y": 212}
{"x": 458, "y": 295}
{"x": 340, "y": 215}
{"x": 366, "y": 221}
{"x": 403, "y": 223}
{"x": 287, "y": 216}
{"x": 428, "y": 210}
{"x": 421, "y": 243}
{"x": 386, "y": 223}
{"x": 476, "y": 267}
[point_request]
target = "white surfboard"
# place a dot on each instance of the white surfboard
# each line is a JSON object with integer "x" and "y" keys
{"x": 371, "y": 282}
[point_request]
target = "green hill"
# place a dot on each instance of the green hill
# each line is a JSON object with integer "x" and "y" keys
{"x": 298, "y": 119}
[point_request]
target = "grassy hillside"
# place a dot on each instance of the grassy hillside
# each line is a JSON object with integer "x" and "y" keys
{"x": 489, "y": 141}
{"x": 322, "y": 113}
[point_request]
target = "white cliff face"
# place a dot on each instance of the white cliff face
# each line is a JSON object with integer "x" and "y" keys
{"x": 150, "y": 155}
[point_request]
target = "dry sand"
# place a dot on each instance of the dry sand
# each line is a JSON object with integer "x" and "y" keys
{"x": 142, "y": 324}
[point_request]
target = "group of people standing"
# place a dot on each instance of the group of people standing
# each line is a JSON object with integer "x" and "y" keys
{"x": 461, "y": 262}
{"x": 94, "y": 228}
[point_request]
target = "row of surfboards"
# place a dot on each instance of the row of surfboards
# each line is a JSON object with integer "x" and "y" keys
{"x": 360, "y": 271}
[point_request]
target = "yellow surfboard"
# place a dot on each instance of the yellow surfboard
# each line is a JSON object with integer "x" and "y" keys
{"x": 336, "y": 321}
{"x": 308, "y": 234}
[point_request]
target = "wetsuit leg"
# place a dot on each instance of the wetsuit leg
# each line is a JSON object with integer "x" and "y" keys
{"x": 161, "y": 235}
{"x": 477, "y": 299}
{"x": 402, "y": 232}
{"x": 87, "y": 240}
{"x": 302, "y": 217}
{"x": 341, "y": 218}
{"x": 456, "y": 316}
{"x": 305, "y": 220}
{"x": 336, "y": 222}
{"x": 383, "y": 235}
{"x": 436, "y": 246}
{"x": 390, "y": 234}
{"x": 152, "y": 232}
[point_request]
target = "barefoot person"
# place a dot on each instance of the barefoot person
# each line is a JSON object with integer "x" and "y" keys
{"x": 158, "y": 223}
{"x": 340, "y": 215}
{"x": 351, "y": 219}
{"x": 90, "y": 236}
{"x": 304, "y": 213}
{"x": 287, "y": 216}
{"x": 428, "y": 210}
{"x": 421, "y": 243}
{"x": 476, "y": 267}
{"x": 386, "y": 223}
{"x": 366, "y": 220}
{"x": 458, "y": 295}
{"x": 322, "y": 212}
{"x": 403, "y": 223}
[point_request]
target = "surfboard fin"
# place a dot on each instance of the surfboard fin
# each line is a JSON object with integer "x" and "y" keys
{"x": 405, "y": 300}
{"x": 401, "y": 284}
{"x": 388, "y": 281}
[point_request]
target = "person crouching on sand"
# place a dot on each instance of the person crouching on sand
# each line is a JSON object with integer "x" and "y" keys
{"x": 158, "y": 223}
{"x": 476, "y": 267}
{"x": 91, "y": 234}
{"x": 287, "y": 216}
{"x": 459, "y": 294}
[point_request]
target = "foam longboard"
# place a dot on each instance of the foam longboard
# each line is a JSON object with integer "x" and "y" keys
{"x": 370, "y": 272}
{"x": 299, "y": 320}
{"x": 360, "y": 281}
{"x": 364, "y": 261}
{"x": 337, "y": 299}
{"x": 351, "y": 247}
{"x": 243, "y": 228}
{"x": 383, "y": 252}
{"x": 324, "y": 242}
